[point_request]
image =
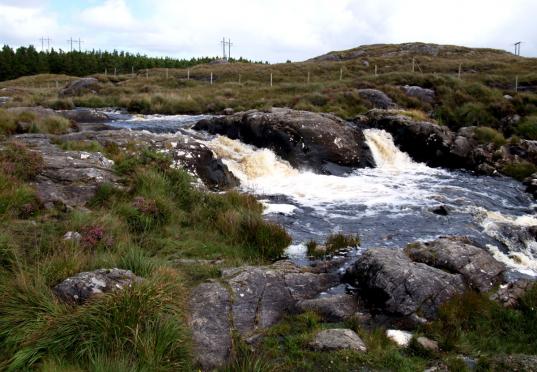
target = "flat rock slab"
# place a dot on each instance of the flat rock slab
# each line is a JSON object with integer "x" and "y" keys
{"x": 86, "y": 285}
{"x": 338, "y": 339}
{"x": 69, "y": 178}
{"x": 248, "y": 300}
{"x": 210, "y": 324}
{"x": 389, "y": 279}
{"x": 457, "y": 255}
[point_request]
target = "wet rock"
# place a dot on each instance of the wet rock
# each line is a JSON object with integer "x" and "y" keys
{"x": 210, "y": 324}
{"x": 79, "y": 86}
{"x": 428, "y": 344}
{"x": 377, "y": 98}
{"x": 457, "y": 255}
{"x": 305, "y": 139}
{"x": 401, "y": 338}
{"x": 69, "y": 178}
{"x": 424, "y": 94}
{"x": 228, "y": 111}
{"x": 390, "y": 280}
{"x": 83, "y": 115}
{"x": 510, "y": 294}
{"x": 441, "y": 210}
{"x": 334, "y": 308}
{"x": 86, "y": 285}
{"x": 338, "y": 339}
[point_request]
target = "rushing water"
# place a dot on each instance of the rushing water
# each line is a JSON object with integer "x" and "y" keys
{"x": 389, "y": 205}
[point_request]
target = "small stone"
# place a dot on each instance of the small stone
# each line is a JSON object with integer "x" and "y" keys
{"x": 427, "y": 344}
{"x": 441, "y": 210}
{"x": 72, "y": 235}
{"x": 338, "y": 339}
{"x": 401, "y": 338}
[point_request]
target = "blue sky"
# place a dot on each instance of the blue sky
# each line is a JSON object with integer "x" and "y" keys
{"x": 274, "y": 30}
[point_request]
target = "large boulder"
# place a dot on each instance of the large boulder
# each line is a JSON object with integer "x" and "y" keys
{"x": 86, "y": 285}
{"x": 246, "y": 301}
{"x": 458, "y": 255}
{"x": 79, "y": 86}
{"x": 338, "y": 339}
{"x": 85, "y": 115}
{"x": 321, "y": 142}
{"x": 389, "y": 279}
{"x": 377, "y": 98}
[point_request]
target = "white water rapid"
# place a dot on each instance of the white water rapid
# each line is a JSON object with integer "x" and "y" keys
{"x": 388, "y": 205}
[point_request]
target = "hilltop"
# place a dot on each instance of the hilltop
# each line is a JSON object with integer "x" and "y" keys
{"x": 413, "y": 50}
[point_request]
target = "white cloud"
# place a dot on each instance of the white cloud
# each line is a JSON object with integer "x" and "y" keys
{"x": 273, "y": 30}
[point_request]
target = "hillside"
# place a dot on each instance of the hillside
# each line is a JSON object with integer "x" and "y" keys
{"x": 412, "y": 50}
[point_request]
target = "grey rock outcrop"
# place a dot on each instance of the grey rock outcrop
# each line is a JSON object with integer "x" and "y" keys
{"x": 457, "y": 255}
{"x": 210, "y": 324}
{"x": 338, "y": 339}
{"x": 510, "y": 294}
{"x": 86, "y": 285}
{"x": 334, "y": 308}
{"x": 423, "y": 94}
{"x": 79, "y": 86}
{"x": 377, "y": 98}
{"x": 248, "y": 300}
{"x": 69, "y": 178}
{"x": 402, "y": 287}
{"x": 84, "y": 115}
{"x": 321, "y": 142}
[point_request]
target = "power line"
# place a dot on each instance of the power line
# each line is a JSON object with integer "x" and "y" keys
{"x": 224, "y": 44}
{"x": 72, "y": 41}
{"x": 42, "y": 40}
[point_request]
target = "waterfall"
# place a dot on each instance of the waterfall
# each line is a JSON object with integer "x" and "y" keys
{"x": 385, "y": 152}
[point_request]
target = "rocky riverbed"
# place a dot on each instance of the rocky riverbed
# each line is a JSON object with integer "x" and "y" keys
{"x": 428, "y": 234}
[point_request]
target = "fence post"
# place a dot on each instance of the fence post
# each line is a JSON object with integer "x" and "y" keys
{"x": 105, "y": 72}
{"x": 211, "y": 78}
{"x": 516, "y": 84}
{"x": 115, "y": 71}
{"x": 166, "y": 73}
{"x": 460, "y": 69}
{"x": 308, "y": 77}
{"x": 413, "y": 64}
{"x": 188, "y": 74}
{"x": 147, "y": 73}
{"x": 375, "y": 70}
{"x": 56, "y": 84}
{"x": 132, "y": 71}
{"x": 341, "y": 73}
{"x": 239, "y": 78}
{"x": 271, "y": 79}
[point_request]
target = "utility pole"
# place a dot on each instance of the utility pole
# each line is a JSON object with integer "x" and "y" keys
{"x": 229, "y": 44}
{"x": 80, "y": 45}
{"x": 71, "y": 41}
{"x": 42, "y": 40}
{"x": 224, "y": 47}
{"x": 517, "y": 48}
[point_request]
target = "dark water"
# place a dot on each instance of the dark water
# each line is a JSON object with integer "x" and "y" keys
{"x": 388, "y": 206}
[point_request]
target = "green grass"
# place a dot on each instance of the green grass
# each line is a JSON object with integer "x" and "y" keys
{"x": 486, "y": 135}
{"x": 334, "y": 242}
{"x": 519, "y": 170}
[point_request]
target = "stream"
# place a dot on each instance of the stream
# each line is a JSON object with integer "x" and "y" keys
{"x": 390, "y": 205}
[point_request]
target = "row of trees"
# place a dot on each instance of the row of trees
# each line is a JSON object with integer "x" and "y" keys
{"x": 28, "y": 61}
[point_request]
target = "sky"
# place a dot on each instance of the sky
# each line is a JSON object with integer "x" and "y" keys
{"x": 268, "y": 30}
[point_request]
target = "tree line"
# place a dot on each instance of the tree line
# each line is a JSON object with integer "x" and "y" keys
{"x": 25, "y": 61}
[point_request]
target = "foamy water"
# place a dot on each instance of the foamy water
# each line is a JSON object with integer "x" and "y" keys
{"x": 389, "y": 205}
